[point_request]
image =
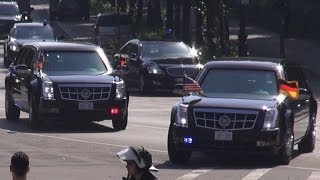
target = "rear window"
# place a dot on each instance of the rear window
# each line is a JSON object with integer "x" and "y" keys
{"x": 73, "y": 63}
{"x": 114, "y": 20}
{"x": 165, "y": 50}
{"x": 38, "y": 32}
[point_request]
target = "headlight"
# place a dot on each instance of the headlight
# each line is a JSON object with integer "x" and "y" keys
{"x": 47, "y": 90}
{"x": 182, "y": 115}
{"x": 17, "y": 18}
{"x": 14, "y": 48}
{"x": 120, "y": 90}
{"x": 270, "y": 118}
{"x": 154, "y": 70}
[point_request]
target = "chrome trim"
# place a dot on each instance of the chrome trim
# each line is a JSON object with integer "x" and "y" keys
{"x": 73, "y": 91}
{"x": 211, "y": 121}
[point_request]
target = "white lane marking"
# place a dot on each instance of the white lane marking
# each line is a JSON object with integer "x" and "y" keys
{"x": 151, "y": 127}
{"x": 314, "y": 176}
{"x": 301, "y": 168}
{"x": 256, "y": 174}
{"x": 82, "y": 141}
{"x": 193, "y": 174}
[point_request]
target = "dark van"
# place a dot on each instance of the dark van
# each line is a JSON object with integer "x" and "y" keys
{"x": 60, "y": 9}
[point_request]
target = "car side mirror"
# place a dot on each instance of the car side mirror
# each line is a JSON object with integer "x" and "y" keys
{"x": 5, "y": 36}
{"x": 133, "y": 55}
{"x": 178, "y": 89}
{"x": 31, "y": 9}
{"x": 23, "y": 70}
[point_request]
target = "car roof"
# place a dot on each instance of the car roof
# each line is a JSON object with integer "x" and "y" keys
{"x": 256, "y": 63}
{"x": 32, "y": 24}
{"x": 63, "y": 46}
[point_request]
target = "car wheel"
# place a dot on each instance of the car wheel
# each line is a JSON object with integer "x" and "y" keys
{"x": 34, "y": 118}
{"x": 286, "y": 149}
{"x": 120, "y": 123}
{"x": 307, "y": 144}
{"x": 144, "y": 86}
{"x": 176, "y": 156}
{"x": 12, "y": 111}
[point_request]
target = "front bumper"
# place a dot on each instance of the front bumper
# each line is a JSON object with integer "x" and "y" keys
{"x": 163, "y": 81}
{"x": 242, "y": 140}
{"x": 69, "y": 110}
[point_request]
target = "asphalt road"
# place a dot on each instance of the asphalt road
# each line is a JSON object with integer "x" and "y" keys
{"x": 80, "y": 152}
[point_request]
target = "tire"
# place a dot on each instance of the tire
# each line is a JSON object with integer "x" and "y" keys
{"x": 176, "y": 156}
{"x": 34, "y": 117}
{"x": 12, "y": 111}
{"x": 144, "y": 86}
{"x": 120, "y": 123}
{"x": 307, "y": 144}
{"x": 286, "y": 150}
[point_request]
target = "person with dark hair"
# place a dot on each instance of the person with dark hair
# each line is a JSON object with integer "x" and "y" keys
{"x": 139, "y": 163}
{"x": 19, "y": 166}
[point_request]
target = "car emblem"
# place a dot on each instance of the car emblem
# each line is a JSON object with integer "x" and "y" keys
{"x": 224, "y": 121}
{"x": 85, "y": 93}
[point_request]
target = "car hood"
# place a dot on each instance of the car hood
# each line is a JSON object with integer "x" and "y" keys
{"x": 7, "y": 17}
{"x": 234, "y": 103}
{"x": 176, "y": 67}
{"x": 81, "y": 79}
{"x": 23, "y": 41}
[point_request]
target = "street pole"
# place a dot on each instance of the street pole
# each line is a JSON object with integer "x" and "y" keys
{"x": 243, "y": 44}
{"x": 284, "y": 25}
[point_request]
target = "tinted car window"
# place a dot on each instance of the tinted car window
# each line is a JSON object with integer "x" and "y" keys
{"x": 73, "y": 63}
{"x": 9, "y": 10}
{"x": 33, "y": 33}
{"x": 113, "y": 20}
{"x": 168, "y": 50}
{"x": 221, "y": 81}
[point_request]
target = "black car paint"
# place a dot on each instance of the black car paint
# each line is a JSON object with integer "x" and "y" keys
{"x": 10, "y": 55}
{"x": 20, "y": 87}
{"x": 136, "y": 67}
{"x": 296, "y": 113}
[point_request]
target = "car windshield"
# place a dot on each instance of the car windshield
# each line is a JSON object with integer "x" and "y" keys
{"x": 165, "y": 50}
{"x": 73, "y": 63}
{"x": 9, "y": 10}
{"x": 230, "y": 83}
{"x": 28, "y": 32}
{"x": 113, "y": 20}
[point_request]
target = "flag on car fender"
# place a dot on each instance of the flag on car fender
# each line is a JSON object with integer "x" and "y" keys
{"x": 39, "y": 63}
{"x": 289, "y": 87}
{"x": 191, "y": 85}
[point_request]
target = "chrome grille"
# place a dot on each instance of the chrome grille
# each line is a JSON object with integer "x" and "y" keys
{"x": 85, "y": 92}
{"x": 238, "y": 119}
{"x": 181, "y": 71}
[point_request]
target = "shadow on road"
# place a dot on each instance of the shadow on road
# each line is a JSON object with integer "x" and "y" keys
{"x": 55, "y": 127}
{"x": 222, "y": 160}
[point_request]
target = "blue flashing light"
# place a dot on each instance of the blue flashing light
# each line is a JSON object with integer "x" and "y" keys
{"x": 187, "y": 140}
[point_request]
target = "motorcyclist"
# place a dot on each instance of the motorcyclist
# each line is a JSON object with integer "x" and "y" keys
{"x": 139, "y": 163}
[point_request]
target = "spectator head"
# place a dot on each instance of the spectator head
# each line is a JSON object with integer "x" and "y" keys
{"x": 19, "y": 164}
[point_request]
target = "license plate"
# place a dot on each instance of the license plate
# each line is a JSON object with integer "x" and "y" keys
{"x": 223, "y": 135}
{"x": 178, "y": 80}
{"x": 85, "y": 105}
